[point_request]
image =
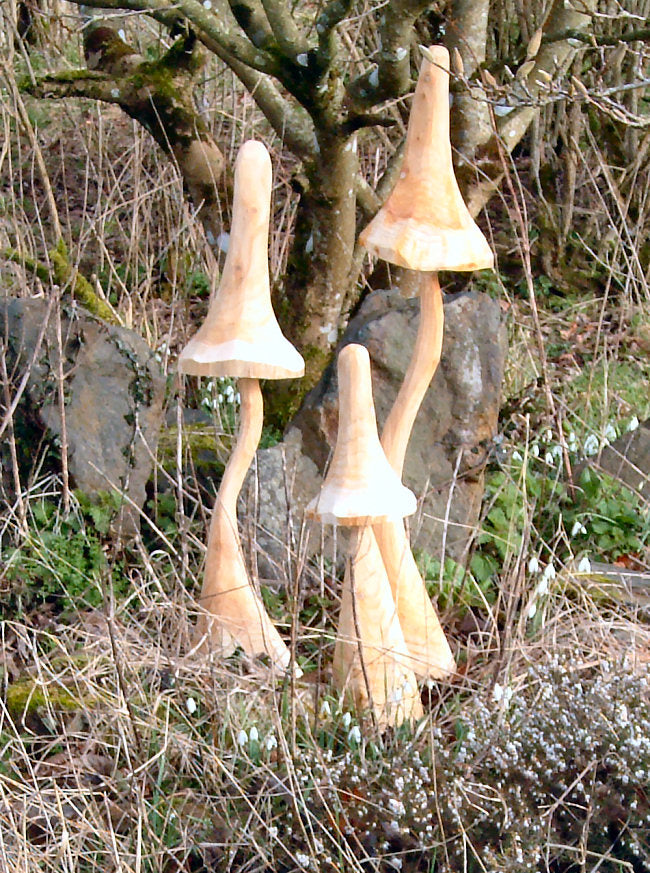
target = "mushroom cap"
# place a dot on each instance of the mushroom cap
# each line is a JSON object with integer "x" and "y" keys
{"x": 424, "y": 224}
{"x": 361, "y": 487}
{"x": 241, "y": 336}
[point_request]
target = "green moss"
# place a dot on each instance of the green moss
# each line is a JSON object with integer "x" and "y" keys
{"x": 205, "y": 448}
{"x": 25, "y": 697}
{"x": 31, "y": 264}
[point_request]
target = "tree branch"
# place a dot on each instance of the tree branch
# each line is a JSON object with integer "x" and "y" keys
{"x": 285, "y": 30}
{"x": 552, "y": 60}
{"x": 326, "y": 24}
{"x": 391, "y": 77}
{"x": 250, "y": 16}
{"x": 215, "y": 23}
{"x": 289, "y": 120}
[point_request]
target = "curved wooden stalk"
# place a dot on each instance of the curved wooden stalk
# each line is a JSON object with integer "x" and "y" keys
{"x": 371, "y": 657}
{"x": 425, "y": 639}
{"x": 235, "y": 613}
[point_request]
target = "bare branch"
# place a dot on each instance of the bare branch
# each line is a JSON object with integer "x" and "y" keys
{"x": 391, "y": 77}
{"x": 552, "y": 60}
{"x": 250, "y": 16}
{"x": 218, "y": 23}
{"x": 289, "y": 120}
{"x": 326, "y": 24}
{"x": 285, "y": 30}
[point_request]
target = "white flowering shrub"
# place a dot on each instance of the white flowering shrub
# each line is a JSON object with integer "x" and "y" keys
{"x": 549, "y": 775}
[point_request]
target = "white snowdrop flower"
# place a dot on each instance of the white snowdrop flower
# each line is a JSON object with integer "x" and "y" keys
{"x": 302, "y": 59}
{"x": 302, "y": 859}
{"x": 585, "y": 565}
{"x": 533, "y": 565}
{"x": 238, "y": 397}
{"x": 578, "y": 528}
{"x": 549, "y": 572}
{"x": 271, "y": 742}
{"x": 354, "y": 735}
{"x": 516, "y": 456}
{"x": 396, "y": 863}
{"x": 549, "y": 457}
{"x": 190, "y": 705}
{"x": 207, "y": 4}
{"x": 548, "y": 436}
{"x": 542, "y": 587}
{"x": 572, "y": 442}
{"x": 556, "y": 450}
{"x": 534, "y": 450}
{"x": 610, "y": 432}
{"x": 497, "y": 692}
{"x": 273, "y": 832}
{"x": 532, "y": 610}
{"x": 591, "y": 445}
{"x": 115, "y": 93}
{"x": 242, "y": 738}
{"x": 229, "y": 392}
{"x": 347, "y": 719}
{"x": 633, "y": 425}
{"x": 325, "y": 709}
{"x": 121, "y": 33}
{"x": 396, "y": 806}
{"x": 622, "y": 714}
{"x": 253, "y": 734}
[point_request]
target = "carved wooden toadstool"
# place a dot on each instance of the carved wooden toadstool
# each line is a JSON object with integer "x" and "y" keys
{"x": 361, "y": 489}
{"x": 241, "y": 338}
{"x": 424, "y": 225}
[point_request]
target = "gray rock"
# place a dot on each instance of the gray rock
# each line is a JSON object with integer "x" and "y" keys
{"x": 452, "y": 433}
{"x": 458, "y": 418}
{"x": 271, "y": 509}
{"x": 114, "y": 391}
{"x": 626, "y": 459}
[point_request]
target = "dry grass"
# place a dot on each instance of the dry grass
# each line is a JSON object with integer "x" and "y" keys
{"x": 120, "y": 750}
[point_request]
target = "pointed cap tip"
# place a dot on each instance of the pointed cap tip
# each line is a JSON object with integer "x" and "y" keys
{"x": 361, "y": 487}
{"x": 424, "y": 224}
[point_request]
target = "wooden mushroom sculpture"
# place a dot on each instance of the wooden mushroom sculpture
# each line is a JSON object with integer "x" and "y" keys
{"x": 361, "y": 489}
{"x": 241, "y": 338}
{"x": 424, "y": 225}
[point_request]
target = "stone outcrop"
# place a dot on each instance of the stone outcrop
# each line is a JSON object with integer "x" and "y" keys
{"x": 113, "y": 388}
{"x": 452, "y": 433}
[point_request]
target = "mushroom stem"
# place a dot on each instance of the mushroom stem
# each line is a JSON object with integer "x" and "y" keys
{"x": 235, "y": 612}
{"x": 371, "y": 656}
{"x": 425, "y": 639}
{"x": 421, "y": 369}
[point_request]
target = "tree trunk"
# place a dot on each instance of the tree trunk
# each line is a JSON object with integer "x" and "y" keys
{"x": 314, "y": 293}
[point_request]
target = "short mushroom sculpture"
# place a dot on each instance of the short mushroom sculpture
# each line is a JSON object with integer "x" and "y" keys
{"x": 361, "y": 489}
{"x": 241, "y": 338}
{"x": 424, "y": 225}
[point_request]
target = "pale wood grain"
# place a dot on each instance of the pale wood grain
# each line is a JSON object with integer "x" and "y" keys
{"x": 236, "y": 613}
{"x": 240, "y": 335}
{"x": 370, "y": 659}
{"x": 424, "y": 224}
{"x": 360, "y": 487}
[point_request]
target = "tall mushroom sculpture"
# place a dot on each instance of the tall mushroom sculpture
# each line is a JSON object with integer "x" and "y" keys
{"x": 424, "y": 225}
{"x": 371, "y": 661}
{"x": 241, "y": 338}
